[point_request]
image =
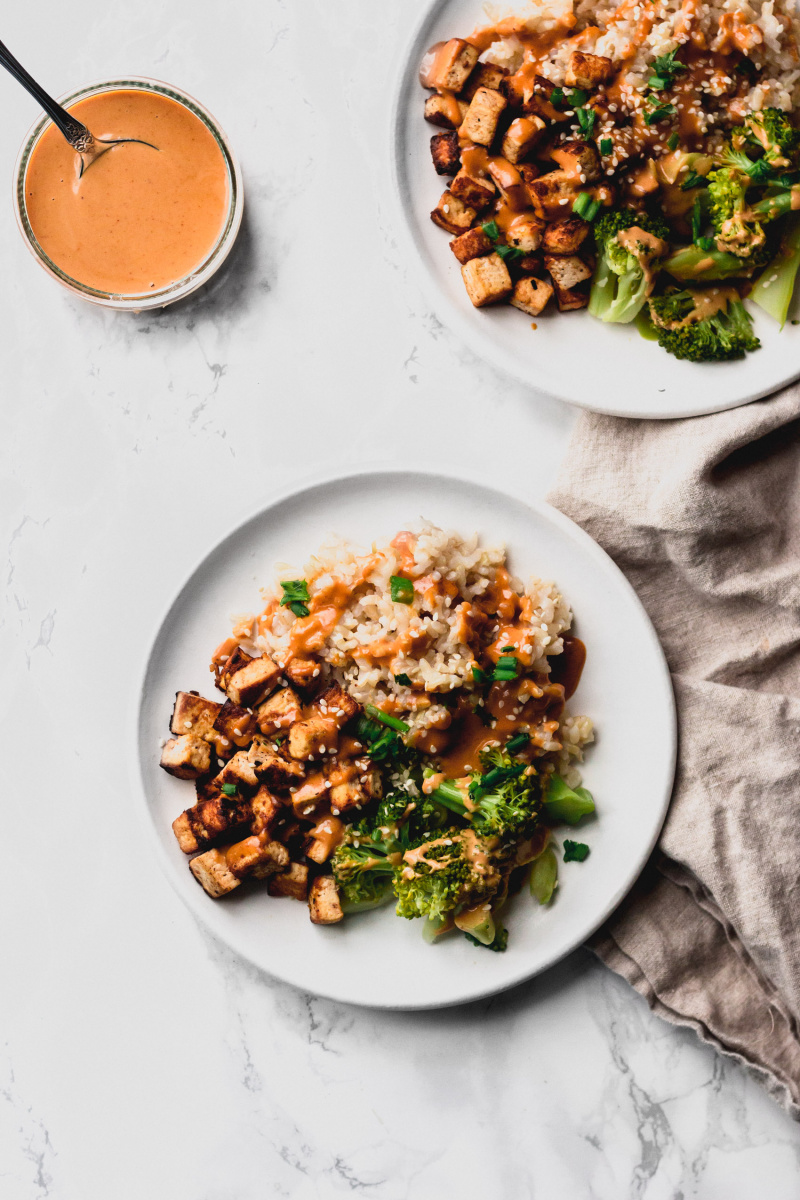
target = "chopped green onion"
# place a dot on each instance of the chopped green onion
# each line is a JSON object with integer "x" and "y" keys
{"x": 402, "y": 589}
{"x": 518, "y": 742}
{"x": 706, "y": 243}
{"x": 660, "y": 113}
{"x": 575, "y": 851}
{"x": 385, "y": 719}
{"x": 697, "y": 220}
{"x": 673, "y": 141}
{"x": 499, "y": 775}
{"x": 229, "y": 789}
{"x": 507, "y": 669}
{"x": 586, "y": 119}
{"x": 557, "y": 97}
{"x": 509, "y": 253}
{"x": 508, "y": 647}
{"x": 592, "y": 211}
{"x": 577, "y": 97}
{"x": 491, "y": 230}
{"x": 295, "y": 592}
{"x": 606, "y": 145}
{"x": 581, "y": 203}
{"x": 693, "y": 180}
{"x": 665, "y": 68}
{"x": 403, "y": 679}
{"x": 479, "y": 676}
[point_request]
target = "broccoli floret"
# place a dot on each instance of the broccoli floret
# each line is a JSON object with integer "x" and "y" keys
{"x": 503, "y": 802}
{"x": 684, "y": 332}
{"x": 451, "y": 872}
{"x": 499, "y": 942}
{"x": 624, "y": 275}
{"x": 771, "y": 132}
{"x": 737, "y": 230}
{"x": 363, "y": 872}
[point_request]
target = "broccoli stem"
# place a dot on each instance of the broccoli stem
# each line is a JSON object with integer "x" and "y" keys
{"x": 773, "y": 290}
{"x": 693, "y": 263}
{"x": 544, "y": 876}
{"x": 602, "y": 292}
{"x": 776, "y": 205}
{"x": 449, "y": 794}
{"x": 563, "y": 803}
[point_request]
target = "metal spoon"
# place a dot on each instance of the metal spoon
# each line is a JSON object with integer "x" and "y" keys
{"x": 79, "y": 137}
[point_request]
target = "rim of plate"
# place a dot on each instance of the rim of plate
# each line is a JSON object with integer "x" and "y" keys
{"x": 463, "y": 324}
{"x": 206, "y": 914}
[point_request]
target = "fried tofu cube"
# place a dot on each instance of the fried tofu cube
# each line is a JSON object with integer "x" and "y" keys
{"x": 565, "y": 236}
{"x": 272, "y": 768}
{"x": 235, "y": 726}
{"x": 302, "y": 672}
{"x": 475, "y": 193}
{"x": 308, "y": 795}
{"x": 235, "y": 661}
{"x": 347, "y": 796}
{"x": 485, "y": 75}
{"x": 537, "y": 100}
{"x": 324, "y": 907}
{"x": 483, "y": 115}
{"x": 212, "y": 873}
{"x": 521, "y": 137}
{"x": 256, "y": 856}
{"x": 531, "y": 295}
{"x": 193, "y": 714}
{"x": 487, "y": 280}
{"x": 510, "y": 184}
{"x": 337, "y": 704}
{"x": 567, "y": 271}
{"x": 238, "y": 773}
{"x": 528, "y": 172}
{"x": 268, "y": 810}
{"x": 579, "y": 159}
{"x": 291, "y": 882}
{"x": 446, "y": 153}
{"x": 313, "y": 737}
{"x": 450, "y": 65}
{"x": 279, "y": 712}
{"x": 186, "y": 757}
{"x": 472, "y": 244}
{"x": 251, "y": 683}
{"x": 588, "y": 70}
{"x": 453, "y": 214}
{"x": 525, "y": 233}
{"x": 551, "y": 193}
{"x": 445, "y": 111}
{"x": 567, "y": 298}
{"x": 211, "y": 819}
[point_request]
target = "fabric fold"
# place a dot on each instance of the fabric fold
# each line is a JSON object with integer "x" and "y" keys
{"x": 703, "y": 516}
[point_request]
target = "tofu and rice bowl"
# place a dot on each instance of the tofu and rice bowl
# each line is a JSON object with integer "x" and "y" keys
{"x": 640, "y": 161}
{"x": 392, "y": 729}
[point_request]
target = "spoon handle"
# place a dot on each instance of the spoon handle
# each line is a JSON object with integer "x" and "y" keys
{"x": 75, "y": 133}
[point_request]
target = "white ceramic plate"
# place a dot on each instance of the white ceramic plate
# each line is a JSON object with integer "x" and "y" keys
{"x": 376, "y": 958}
{"x": 607, "y": 368}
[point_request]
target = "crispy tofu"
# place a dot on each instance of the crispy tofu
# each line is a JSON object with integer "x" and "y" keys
{"x": 485, "y": 75}
{"x": 250, "y": 684}
{"x": 450, "y": 66}
{"x": 471, "y": 244}
{"x": 567, "y": 271}
{"x": 233, "y": 663}
{"x": 529, "y": 172}
{"x": 522, "y": 135}
{"x": 212, "y": 873}
{"x": 453, "y": 214}
{"x": 525, "y": 233}
{"x": 186, "y": 757}
{"x": 475, "y": 193}
{"x": 271, "y": 768}
{"x": 268, "y": 810}
{"x": 446, "y": 153}
{"x": 588, "y": 70}
{"x": 480, "y": 123}
{"x": 279, "y": 712}
{"x": 302, "y": 672}
{"x": 442, "y": 110}
{"x": 315, "y": 736}
{"x": 565, "y": 236}
{"x": 235, "y": 725}
{"x": 324, "y": 907}
{"x": 510, "y": 184}
{"x": 256, "y": 856}
{"x": 537, "y": 102}
{"x": 531, "y": 295}
{"x": 551, "y": 194}
{"x": 210, "y": 820}
{"x": 579, "y": 159}
{"x": 487, "y": 280}
{"x": 337, "y": 704}
{"x": 239, "y": 773}
{"x": 306, "y": 798}
{"x": 193, "y": 714}
{"x": 292, "y": 882}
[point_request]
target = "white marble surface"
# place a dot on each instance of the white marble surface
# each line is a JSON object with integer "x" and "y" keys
{"x": 137, "y": 1057}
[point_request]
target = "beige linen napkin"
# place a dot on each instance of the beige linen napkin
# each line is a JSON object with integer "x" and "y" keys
{"x": 703, "y": 516}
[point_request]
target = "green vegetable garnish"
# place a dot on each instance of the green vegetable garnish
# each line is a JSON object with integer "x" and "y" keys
{"x": 402, "y": 589}
{"x": 508, "y": 647}
{"x": 295, "y": 593}
{"x": 509, "y": 253}
{"x": 673, "y": 141}
{"x": 507, "y": 669}
{"x": 229, "y": 789}
{"x": 518, "y": 742}
{"x": 498, "y": 942}
{"x": 385, "y": 719}
{"x": 491, "y": 230}
{"x": 693, "y": 180}
{"x": 586, "y": 119}
{"x": 479, "y": 676}
{"x": 544, "y": 876}
{"x": 577, "y": 97}
{"x": 563, "y": 803}
{"x": 575, "y": 851}
{"x": 665, "y": 70}
{"x": 660, "y": 112}
{"x": 557, "y": 97}
{"x": 606, "y": 145}
{"x": 403, "y": 679}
